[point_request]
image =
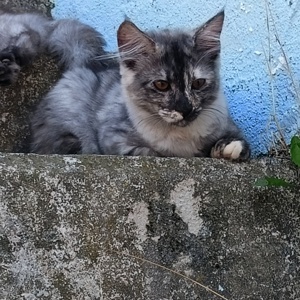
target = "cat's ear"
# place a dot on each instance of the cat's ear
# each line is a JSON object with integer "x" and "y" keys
{"x": 132, "y": 41}
{"x": 207, "y": 37}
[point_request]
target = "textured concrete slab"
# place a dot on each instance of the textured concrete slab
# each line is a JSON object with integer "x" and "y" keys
{"x": 44, "y": 6}
{"x": 17, "y": 103}
{"x": 82, "y": 227}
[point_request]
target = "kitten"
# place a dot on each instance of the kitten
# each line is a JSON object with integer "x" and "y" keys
{"x": 163, "y": 97}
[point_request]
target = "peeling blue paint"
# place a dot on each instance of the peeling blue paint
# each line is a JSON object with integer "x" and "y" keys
{"x": 245, "y": 42}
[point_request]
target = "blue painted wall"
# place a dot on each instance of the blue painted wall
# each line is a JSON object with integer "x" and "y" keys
{"x": 255, "y": 78}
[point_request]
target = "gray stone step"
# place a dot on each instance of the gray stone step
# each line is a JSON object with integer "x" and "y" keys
{"x": 92, "y": 227}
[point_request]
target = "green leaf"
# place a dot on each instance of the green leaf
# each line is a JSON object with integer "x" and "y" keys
{"x": 295, "y": 150}
{"x": 272, "y": 181}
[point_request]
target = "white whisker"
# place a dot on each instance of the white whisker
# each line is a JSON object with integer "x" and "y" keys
{"x": 111, "y": 55}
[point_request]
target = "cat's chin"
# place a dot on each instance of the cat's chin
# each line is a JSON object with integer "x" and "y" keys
{"x": 182, "y": 123}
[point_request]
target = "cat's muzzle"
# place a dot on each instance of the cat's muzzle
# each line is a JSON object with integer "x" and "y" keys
{"x": 9, "y": 72}
{"x": 177, "y": 118}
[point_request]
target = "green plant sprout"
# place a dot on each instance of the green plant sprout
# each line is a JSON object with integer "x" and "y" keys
{"x": 295, "y": 158}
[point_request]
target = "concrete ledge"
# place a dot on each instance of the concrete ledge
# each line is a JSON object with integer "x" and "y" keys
{"x": 62, "y": 218}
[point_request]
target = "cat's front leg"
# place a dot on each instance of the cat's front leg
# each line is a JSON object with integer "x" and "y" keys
{"x": 235, "y": 149}
{"x": 143, "y": 151}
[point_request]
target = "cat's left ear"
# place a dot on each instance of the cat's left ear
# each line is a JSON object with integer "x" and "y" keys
{"x": 207, "y": 37}
{"x": 132, "y": 39}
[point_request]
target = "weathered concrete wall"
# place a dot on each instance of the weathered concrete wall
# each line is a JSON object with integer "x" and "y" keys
{"x": 18, "y": 102}
{"x": 44, "y": 6}
{"x": 62, "y": 218}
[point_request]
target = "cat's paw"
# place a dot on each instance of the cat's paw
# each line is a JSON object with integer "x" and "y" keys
{"x": 9, "y": 69}
{"x": 235, "y": 150}
{"x": 142, "y": 151}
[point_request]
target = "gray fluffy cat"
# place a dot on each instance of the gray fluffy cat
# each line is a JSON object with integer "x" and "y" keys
{"x": 162, "y": 96}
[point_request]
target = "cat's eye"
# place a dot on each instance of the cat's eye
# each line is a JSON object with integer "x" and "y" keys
{"x": 198, "y": 83}
{"x": 5, "y": 61}
{"x": 162, "y": 85}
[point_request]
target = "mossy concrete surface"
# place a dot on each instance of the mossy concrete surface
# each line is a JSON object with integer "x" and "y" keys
{"x": 43, "y": 6}
{"x": 92, "y": 227}
{"x": 17, "y": 102}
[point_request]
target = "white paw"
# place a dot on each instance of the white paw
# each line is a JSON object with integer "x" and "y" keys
{"x": 236, "y": 150}
{"x": 233, "y": 150}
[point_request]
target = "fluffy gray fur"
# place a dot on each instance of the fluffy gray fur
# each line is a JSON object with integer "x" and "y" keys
{"x": 25, "y": 36}
{"x": 162, "y": 96}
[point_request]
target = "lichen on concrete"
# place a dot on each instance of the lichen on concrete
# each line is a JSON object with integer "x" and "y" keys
{"x": 44, "y": 6}
{"x": 71, "y": 224}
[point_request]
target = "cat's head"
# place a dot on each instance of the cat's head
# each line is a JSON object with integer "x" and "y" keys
{"x": 171, "y": 74}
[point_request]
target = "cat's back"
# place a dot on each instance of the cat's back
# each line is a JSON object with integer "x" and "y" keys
{"x": 85, "y": 90}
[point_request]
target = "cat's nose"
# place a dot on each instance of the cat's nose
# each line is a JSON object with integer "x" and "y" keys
{"x": 185, "y": 109}
{"x": 187, "y": 112}
{"x": 2, "y": 69}
{"x": 183, "y": 106}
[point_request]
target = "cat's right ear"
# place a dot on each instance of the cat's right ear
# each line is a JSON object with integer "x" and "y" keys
{"x": 132, "y": 42}
{"x": 207, "y": 37}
